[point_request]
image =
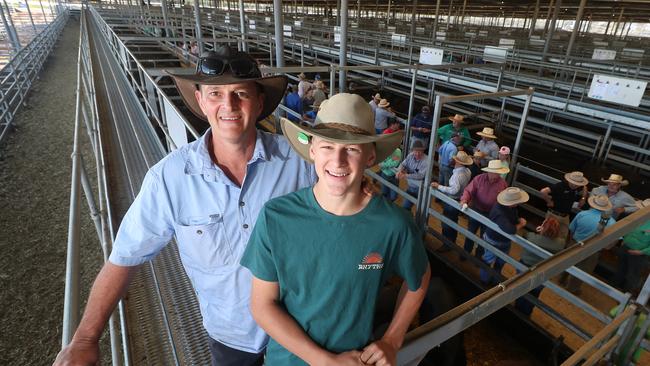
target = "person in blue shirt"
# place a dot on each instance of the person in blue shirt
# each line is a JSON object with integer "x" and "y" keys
{"x": 206, "y": 195}
{"x": 585, "y": 225}
{"x": 294, "y": 102}
{"x": 421, "y": 126}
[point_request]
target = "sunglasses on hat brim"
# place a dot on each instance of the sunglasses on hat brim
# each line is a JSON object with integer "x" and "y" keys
{"x": 241, "y": 67}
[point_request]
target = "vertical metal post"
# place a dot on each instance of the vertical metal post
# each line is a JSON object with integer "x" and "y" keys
{"x": 451, "y": 4}
{"x": 415, "y": 6}
{"x": 462, "y": 19}
{"x": 407, "y": 130}
{"x": 551, "y": 30}
{"x": 42, "y": 10}
{"x": 421, "y": 212}
{"x": 343, "y": 53}
{"x": 199, "y": 33}
{"x": 435, "y": 21}
{"x": 388, "y": 13}
{"x": 520, "y": 131}
{"x": 576, "y": 29}
{"x": 534, "y": 20}
{"x": 279, "y": 35}
{"x": 163, "y": 7}
{"x": 242, "y": 25}
{"x": 618, "y": 22}
{"x": 548, "y": 16}
{"x": 358, "y": 12}
{"x": 30, "y": 17}
{"x": 13, "y": 37}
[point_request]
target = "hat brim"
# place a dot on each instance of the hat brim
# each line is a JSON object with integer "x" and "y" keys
{"x": 273, "y": 87}
{"x": 624, "y": 182}
{"x": 590, "y": 200}
{"x": 480, "y": 133}
{"x": 385, "y": 144}
{"x": 469, "y": 160}
{"x": 502, "y": 170}
{"x": 523, "y": 199}
{"x": 567, "y": 176}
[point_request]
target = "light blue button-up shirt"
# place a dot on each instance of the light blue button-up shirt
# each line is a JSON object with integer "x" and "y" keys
{"x": 187, "y": 196}
{"x": 446, "y": 152}
{"x": 585, "y": 224}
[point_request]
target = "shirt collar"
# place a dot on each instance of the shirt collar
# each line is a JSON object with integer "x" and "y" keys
{"x": 198, "y": 159}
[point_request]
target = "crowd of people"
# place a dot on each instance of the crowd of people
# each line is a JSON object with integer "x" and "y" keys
{"x": 282, "y": 237}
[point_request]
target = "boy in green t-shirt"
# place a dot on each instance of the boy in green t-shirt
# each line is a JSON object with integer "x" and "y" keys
{"x": 320, "y": 256}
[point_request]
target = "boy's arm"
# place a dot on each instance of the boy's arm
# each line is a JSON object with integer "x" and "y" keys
{"x": 268, "y": 313}
{"x": 408, "y": 304}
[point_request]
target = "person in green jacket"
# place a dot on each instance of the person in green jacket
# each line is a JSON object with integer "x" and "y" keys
{"x": 388, "y": 168}
{"x": 633, "y": 258}
{"x": 456, "y": 125}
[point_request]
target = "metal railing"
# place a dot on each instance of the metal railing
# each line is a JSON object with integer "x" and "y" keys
{"x": 17, "y": 76}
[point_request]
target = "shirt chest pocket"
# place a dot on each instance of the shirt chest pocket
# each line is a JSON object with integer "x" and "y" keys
{"x": 203, "y": 243}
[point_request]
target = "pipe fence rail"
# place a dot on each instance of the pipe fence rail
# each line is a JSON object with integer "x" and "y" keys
{"x": 17, "y": 76}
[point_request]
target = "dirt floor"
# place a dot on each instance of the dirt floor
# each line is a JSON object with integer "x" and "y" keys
{"x": 35, "y": 170}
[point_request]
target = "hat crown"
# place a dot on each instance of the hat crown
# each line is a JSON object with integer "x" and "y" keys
{"x": 488, "y": 131}
{"x": 577, "y": 176}
{"x": 494, "y": 164}
{"x": 347, "y": 109}
{"x": 384, "y": 103}
{"x": 615, "y": 177}
{"x": 512, "y": 194}
{"x": 601, "y": 201}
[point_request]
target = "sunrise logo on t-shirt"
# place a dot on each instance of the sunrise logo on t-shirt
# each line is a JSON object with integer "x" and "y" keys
{"x": 373, "y": 260}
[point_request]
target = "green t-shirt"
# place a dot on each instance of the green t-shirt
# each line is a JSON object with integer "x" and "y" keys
{"x": 331, "y": 268}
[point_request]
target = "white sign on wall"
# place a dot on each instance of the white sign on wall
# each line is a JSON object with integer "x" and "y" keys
{"x": 297, "y": 23}
{"x": 603, "y": 54}
{"x": 398, "y": 39}
{"x": 495, "y": 54}
{"x": 251, "y": 24}
{"x": 337, "y": 35}
{"x": 617, "y": 90}
{"x": 267, "y": 19}
{"x": 507, "y": 43}
{"x": 287, "y": 30}
{"x": 226, "y": 19}
{"x": 431, "y": 56}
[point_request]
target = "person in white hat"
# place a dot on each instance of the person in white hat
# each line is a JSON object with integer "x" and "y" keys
{"x": 562, "y": 196}
{"x": 460, "y": 177}
{"x": 206, "y": 195}
{"x": 487, "y": 145}
{"x": 374, "y": 102}
{"x": 504, "y": 214}
{"x": 382, "y": 114}
{"x": 622, "y": 202}
{"x": 481, "y": 195}
{"x": 311, "y": 246}
{"x": 456, "y": 125}
{"x": 585, "y": 225}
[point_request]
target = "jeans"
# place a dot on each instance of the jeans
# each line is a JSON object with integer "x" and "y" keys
{"x": 385, "y": 190}
{"x": 473, "y": 227}
{"x": 223, "y": 355}
{"x": 445, "y": 174}
{"x": 413, "y": 191}
{"x": 452, "y": 214}
{"x": 492, "y": 260}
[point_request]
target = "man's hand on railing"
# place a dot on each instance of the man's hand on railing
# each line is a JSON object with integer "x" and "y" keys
{"x": 78, "y": 353}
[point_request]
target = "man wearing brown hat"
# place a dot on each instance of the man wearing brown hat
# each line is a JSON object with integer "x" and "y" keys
{"x": 445, "y": 132}
{"x": 561, "y": 196}
{"x": 622, "y": 203}
{"x": 206, "y": 195}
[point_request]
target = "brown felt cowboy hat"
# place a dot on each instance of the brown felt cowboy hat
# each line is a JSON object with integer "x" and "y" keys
{"x": 344, "y": 119}
{"x": 227, "y": 66}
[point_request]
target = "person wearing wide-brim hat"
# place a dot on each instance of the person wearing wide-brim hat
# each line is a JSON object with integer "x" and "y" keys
{"x": 374, "y": 102}
{"x": 481, "y": 195}
{"x": 459, "y": 179}
{"x": 338, "y": 225}
{"x": 382, "y": 115}
{"x": 413, "y": 168}
{"x": 562, "y": 196}
{"x": 585, "y": 225}
{"x": 622, "y": 202}
{"x": 477, "y": 166}
{"x": 456, "y": 125}
{"x": 197, "y": 195}
{"x": 304, "y": 86}
{"x": 487, "y": 144}
{"x": 504, "y": 214}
